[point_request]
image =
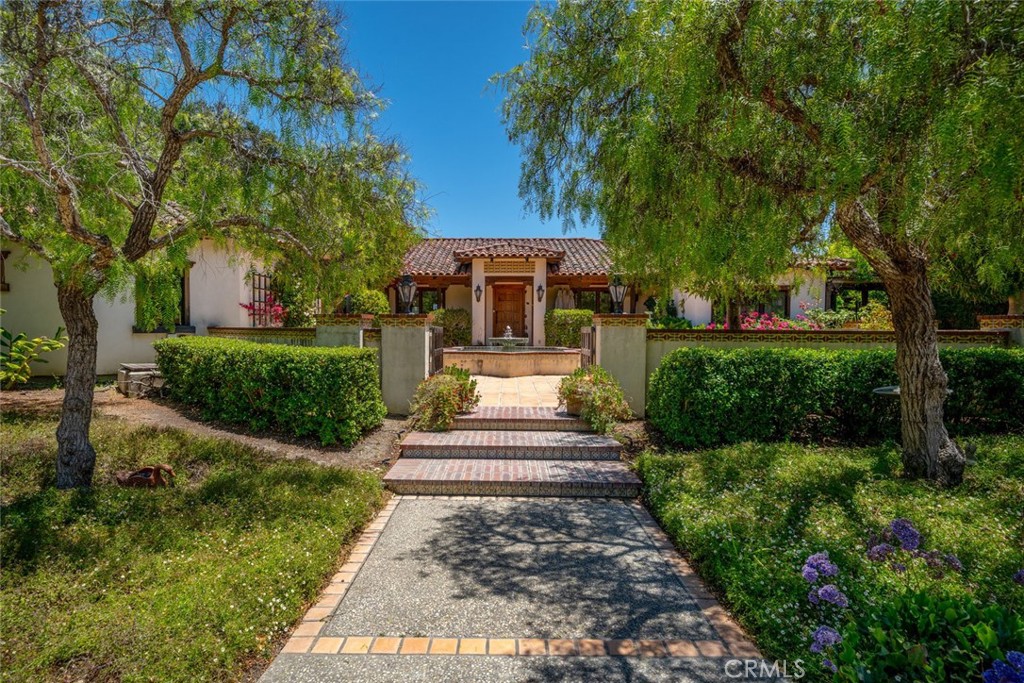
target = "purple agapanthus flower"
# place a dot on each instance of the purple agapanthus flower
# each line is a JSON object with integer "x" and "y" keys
{"x": 1010, "y": 671}
{"x": 821, "y": 564}
{"x": 812, "y": 597}
{"x": 831, "y": 593}
{"x": 881, "y": 551}
{"x": 954, "y": 562}
{"x": 899, "y": 567}
{"x": 1018, "y": 578}
{"x": 810, "y": 574}
{"x": 824, "y": 637}
{"x": 905, "y": 533}
{"x": 828, "y": 664}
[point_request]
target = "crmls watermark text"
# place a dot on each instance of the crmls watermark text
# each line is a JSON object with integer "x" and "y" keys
{"x": 753, "y": 669}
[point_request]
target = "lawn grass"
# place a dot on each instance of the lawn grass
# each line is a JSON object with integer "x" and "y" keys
{"x": 749, "y": 515}
{"x": 190, "y": 583}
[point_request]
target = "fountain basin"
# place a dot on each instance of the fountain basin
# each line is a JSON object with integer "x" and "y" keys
{"x": 513, "y": 361}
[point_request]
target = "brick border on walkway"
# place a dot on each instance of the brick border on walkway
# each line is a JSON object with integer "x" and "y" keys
{"x": 306, "y": 638}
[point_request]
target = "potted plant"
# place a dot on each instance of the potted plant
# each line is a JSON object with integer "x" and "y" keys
{"x": 595, "y": 396}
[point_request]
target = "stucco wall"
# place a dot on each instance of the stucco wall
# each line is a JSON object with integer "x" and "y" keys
{"x": 217, "y": 287}
{"x": 458, "y": 296}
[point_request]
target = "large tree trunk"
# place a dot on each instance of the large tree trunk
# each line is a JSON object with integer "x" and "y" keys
{"x": 75, "y": 455}
{"x": 928, "y": 452}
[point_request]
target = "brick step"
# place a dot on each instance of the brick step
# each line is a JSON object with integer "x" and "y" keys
{"x": 518, "y": 418}
{"x": 491, "y": 477}
{"x": 510, "y": 445}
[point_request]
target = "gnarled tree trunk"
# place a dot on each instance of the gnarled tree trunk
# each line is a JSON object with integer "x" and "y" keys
{"x": 928, "y": 451}
{"x": 76, "y": 457}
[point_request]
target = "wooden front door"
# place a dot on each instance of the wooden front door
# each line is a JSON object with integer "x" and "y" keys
{"x": 509, "y": 310}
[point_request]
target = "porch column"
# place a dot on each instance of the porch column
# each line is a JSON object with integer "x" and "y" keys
{"x": 404, "y": 358}
{"x": 479, "y": 307}
{"x": 342, "y": 330}
{"x": 540, "y": 277}
{"x": 621, "y": 349}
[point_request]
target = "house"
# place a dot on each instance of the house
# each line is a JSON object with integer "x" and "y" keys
{"x": 513, "y": 282}
{"x": 220, "y": 278}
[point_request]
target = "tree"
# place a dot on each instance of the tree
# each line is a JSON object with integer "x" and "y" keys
{"x": 709, "y": 134}
{"x": 130, "y": 130}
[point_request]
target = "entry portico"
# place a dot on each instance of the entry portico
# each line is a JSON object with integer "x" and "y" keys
{"x": 508, "y": 282}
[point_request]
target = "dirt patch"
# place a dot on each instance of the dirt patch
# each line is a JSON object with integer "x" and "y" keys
{"x": 376, "y": 450}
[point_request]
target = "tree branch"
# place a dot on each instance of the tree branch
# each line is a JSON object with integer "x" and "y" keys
{"x": 281, "y": 235}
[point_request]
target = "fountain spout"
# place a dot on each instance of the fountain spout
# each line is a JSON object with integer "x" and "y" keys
{"x": 508, "y": 331}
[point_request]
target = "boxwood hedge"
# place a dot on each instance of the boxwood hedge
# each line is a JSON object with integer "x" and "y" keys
{"x": 562, "y": 326}
{"x": 702, "y": 397}
{"x": 330, "y": 393}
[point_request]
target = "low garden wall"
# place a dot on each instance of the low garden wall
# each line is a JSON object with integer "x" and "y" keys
{"x": 700, "y": 397}
{"x": 331, "y": 393}
{"x": 292, "y": 336}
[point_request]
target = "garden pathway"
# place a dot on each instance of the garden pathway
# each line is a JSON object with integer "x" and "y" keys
{"x": 515, "y": 550}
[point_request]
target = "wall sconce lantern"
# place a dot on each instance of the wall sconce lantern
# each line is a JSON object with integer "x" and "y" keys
{"x": 478, "y": 292}
{"x": 540, "y": 293}
{"x": 406, "y": 290}
{"x": 618, "y": 292}
{"x": 346, "y": 305}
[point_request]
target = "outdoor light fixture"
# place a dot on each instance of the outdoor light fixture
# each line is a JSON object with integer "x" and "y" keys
{"x": 346, "y": 306}
{"x": 618, "y": 291}
{"x": 479, "y": 292}
{"x": 406, "y": 290}
{"x": 540, "y": 292}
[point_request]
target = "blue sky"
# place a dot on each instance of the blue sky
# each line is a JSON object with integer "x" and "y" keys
{"x": 432, "y": 62}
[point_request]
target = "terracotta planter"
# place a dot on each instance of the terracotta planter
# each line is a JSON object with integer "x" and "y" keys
{"x": 574, "y": 407}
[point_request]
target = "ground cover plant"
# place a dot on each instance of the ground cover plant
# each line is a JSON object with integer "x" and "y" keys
{"x": 752, "y": 517}
{"x": 332, "y": 394}
{"x": 441, "y": 397}
{"x": 189, "y": 583}
{"x": 701, "y": 397}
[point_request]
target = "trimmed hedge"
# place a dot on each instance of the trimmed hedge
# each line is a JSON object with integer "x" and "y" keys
{"x": 702, "y": 397}
{"x": 562, "y": 326}
{"x": 330, "y": 393}
{"x": 457, "y": 324}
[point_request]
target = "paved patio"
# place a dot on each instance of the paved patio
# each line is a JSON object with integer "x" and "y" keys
{"x": 532, "y": 391}
{"x": 502, "y": 589}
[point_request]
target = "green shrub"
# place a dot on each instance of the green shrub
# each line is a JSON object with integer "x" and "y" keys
{"x": 704, "y": 397}
{"x": 669, "y": 322}
{"x": 439, "y": 398}
{"x": 457, "y": 324}
{"x": 562, "y": 326}
{"x": 373, "y": 302}
{"x": 922, "y": 637}
{"x": 330, "y": 393}
{"x": 598, "y": 395}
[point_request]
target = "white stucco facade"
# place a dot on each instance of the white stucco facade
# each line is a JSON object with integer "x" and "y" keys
{"x": 217, "y": 286}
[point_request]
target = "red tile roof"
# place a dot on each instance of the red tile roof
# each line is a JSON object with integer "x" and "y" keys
{"x": 447, "y": 256}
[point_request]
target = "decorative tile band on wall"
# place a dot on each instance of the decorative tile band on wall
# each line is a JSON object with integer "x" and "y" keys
{"x": 972, "y": 337}
{"x": 364, "y": 320}
{"x": 371, "y": 334}
{"x": 416, "y": 320}
{"x": 295, "y": 336}
{"x": 620, "y": 320}
{"x": 1001, "y": 322}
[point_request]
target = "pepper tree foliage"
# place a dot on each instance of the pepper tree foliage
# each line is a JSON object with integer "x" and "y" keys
{"x": 132, "y": 130}
{"x": 712, "y": 139}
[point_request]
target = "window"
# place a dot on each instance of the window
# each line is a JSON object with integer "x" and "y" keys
{"x": 776, "y": 303}
{"x": 262, "y": 301}
{"x": 596, "y": 300}
{"x": 427, "y": 300}
{"x": 4, "y": 287}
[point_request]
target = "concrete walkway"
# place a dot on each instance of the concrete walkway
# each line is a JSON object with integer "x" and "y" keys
{"x": 513, "y": 589}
